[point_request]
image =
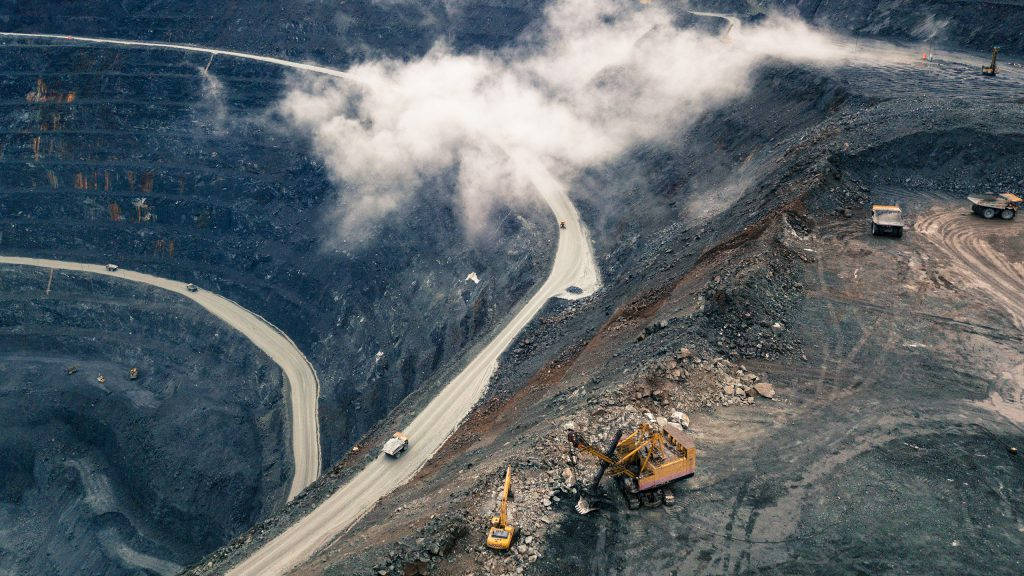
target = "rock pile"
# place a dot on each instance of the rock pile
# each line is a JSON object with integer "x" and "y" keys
{"x": 547, "y": 475}
{"x": 744, "y": 314}
{"x": 736, "y": 384}
{"x": 421, "y": 555}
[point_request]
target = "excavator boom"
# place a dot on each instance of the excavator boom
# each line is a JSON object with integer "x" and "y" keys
{"x": 583, "y": 505}
{"x": 503, "y": 515}
{"x": 991, "y": 69}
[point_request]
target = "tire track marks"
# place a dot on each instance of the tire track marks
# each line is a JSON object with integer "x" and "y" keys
{"x": 976, "y": 262}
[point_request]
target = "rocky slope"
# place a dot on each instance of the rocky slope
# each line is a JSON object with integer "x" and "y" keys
{"x": 331, "y": 33}
{"x": 978, "y": 25}
{"x": 875, "y": 448}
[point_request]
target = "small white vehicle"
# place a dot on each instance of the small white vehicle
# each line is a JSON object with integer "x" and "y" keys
{"x": 191, "y": 287}
{"x": 111, "y": 267}
{"x": 396, "y": 445}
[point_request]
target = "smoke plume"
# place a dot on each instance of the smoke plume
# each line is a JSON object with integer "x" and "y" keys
{"x": 596, "y": 78}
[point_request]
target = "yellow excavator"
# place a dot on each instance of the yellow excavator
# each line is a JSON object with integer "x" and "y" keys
{"x": 645, "y": 462}
{"x": 499, "y": 535}
{"x": 990, "y": 70}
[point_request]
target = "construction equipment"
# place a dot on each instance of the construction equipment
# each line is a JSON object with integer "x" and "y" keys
{"x": 499, "y": 535}
{"x": 988, "y": 206}
{"x": 71, "y": 370}
{"x": 191, "y": 287}
{"x": 886, "y": 220}
{"x": 396, "y": 445}
{"x": 584, "y": 504}
{"x": 111, "y": 267}
{"x": 133, "y": 374}
{"x": 562, "y": 224}
{"x": 644, "y": 463}
{"x": 101, "y": 379}
{"x": 990, "y": 70}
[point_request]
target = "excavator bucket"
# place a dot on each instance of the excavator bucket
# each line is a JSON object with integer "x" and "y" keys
{"x": 583, "y": 505}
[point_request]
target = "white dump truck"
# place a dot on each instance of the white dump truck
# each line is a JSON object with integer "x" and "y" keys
{"x": 396, "y": 445}
{"x": 111, "y": 267}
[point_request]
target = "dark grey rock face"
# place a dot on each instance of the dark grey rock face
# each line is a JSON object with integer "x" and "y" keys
{"x": 331, "y": 33}
{"x": 970, "y": 24}
{"x": 98, "y": 475}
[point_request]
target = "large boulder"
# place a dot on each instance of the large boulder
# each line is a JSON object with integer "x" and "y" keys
{"x": 764, "y": 390}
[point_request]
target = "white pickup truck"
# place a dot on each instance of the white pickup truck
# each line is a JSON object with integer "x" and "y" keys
{"x": 396, "y": 445}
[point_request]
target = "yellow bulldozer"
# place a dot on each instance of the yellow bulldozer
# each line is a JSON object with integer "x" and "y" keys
{"x": 645, "y": 462}
{"x": 499, "y": 535}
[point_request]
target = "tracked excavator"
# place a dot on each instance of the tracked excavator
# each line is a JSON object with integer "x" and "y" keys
{"x": 499, "y": 535}
{"x": 990, "y": 70}
{"x": 644, "y": 463}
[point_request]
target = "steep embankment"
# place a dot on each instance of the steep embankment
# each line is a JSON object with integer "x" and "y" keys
{"x": 331, "y": 33}
{"x": 573, "y": 275}
{"x": 973, "y": 24}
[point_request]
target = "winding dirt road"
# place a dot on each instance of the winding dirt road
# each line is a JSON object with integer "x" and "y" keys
{"x": 303, "y": 385}
{"x": 182, "y": 47}
{"x": 732, "y": 19}
{"x": 574, "y": 266}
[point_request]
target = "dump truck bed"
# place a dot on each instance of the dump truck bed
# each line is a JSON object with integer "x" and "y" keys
{"x": 888, "y": 218}
{"x": 887, "y": 215}
{"x": 997, "y": 201}
{"x": 396, "y": 444}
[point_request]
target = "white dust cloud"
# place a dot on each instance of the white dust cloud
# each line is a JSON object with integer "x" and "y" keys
{"x": 930, "y": 28}
{"x": 598, "y": 77}
{"x": 213, "y": 103}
